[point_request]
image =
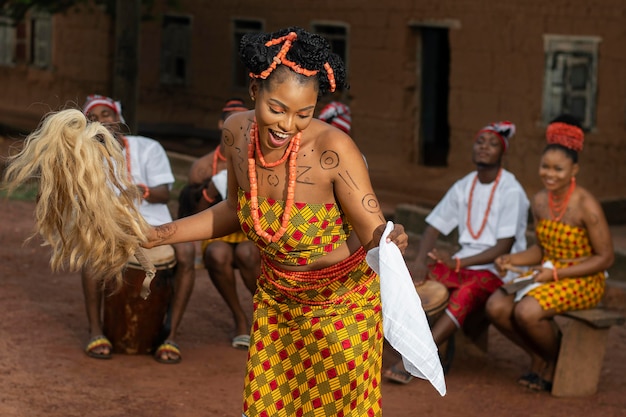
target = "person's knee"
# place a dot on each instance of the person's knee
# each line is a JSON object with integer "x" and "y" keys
{"x": 527, "y": 312}
{"x": 497, "y": 307}
{"x": 247, "y": 255}
{"x": 185, "y": 255}
{"x": 218, "y": 255}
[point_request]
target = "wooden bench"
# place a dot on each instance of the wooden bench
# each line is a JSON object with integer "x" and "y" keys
{"x": 584, "y": 335}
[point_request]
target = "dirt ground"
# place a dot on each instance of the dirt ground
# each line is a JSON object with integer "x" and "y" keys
{"x": 44, "y": 372}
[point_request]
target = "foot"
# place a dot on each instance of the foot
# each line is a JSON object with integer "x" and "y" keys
{"x": 527, "y": 379}
{"x": 540, "y": 384}
{"x": 398, "y": 374}
{"x": 446, "y": 355}
{"x": 99, "y": 347}
{"x": 168, "y": 352}
{"x": 241, "y": 342}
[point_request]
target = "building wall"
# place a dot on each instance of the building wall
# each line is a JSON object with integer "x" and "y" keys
{"x": 496, "y": 73}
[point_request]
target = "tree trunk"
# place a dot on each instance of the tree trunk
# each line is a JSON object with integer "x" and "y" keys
{"x": 126, "y": 67}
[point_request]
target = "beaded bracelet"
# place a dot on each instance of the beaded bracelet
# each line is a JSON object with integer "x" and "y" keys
{"x": 555, "y": 276}
{"x": 458, "y": 264}
{"x": 146, "y": 190}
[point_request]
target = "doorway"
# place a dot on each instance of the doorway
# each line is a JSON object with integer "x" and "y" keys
{"x": 434, "y": 134}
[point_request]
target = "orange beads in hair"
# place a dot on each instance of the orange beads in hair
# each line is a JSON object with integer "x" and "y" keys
{"x": 281, "y": 58}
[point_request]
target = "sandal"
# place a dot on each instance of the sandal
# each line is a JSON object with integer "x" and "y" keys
{"x": 169, "y": 348}
{"x": 96, "y": 343}
{"x": 527, "y": 379}
{"x": 540, "y": 384}
{"x": 397, "y": 375}
{"x": 241, "y": 342}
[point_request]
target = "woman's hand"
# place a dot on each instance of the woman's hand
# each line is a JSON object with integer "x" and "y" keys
{"x": 543, "y": 274}
{"x": 151, "y": 236}
{"x": 503, "y": 264}
{"x": 399, "y": 237}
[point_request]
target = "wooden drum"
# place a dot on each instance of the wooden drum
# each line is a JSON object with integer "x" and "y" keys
{"x": 132, "y": 324}
{"x": 434, "y": 296}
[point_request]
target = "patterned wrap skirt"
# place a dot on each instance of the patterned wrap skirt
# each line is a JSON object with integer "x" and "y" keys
{"x": 316, "y": 343}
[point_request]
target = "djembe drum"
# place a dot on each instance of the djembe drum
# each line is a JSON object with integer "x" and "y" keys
{"x": 434, "y": 296}
{"x": 135, "y": 325}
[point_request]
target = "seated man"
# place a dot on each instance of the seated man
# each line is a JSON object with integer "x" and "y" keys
{"x": 490, "y": 210}
{"x": 150, "y": 170}
{"x": 207, "y": 186}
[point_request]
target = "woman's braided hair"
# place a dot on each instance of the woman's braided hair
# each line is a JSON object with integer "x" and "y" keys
{"x": 305, "y": 53}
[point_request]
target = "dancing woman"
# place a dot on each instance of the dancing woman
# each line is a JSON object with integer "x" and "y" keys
{"x": 300, "y": 190}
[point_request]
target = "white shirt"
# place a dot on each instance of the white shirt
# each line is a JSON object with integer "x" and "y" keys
{"x": 508, "y": 216}
{"x": 150, "y": 165}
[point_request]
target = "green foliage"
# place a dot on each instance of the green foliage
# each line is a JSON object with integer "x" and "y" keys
{"x": 27, "y": 192}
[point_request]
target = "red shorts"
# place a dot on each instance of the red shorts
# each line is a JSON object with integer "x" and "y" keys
{"x": 469, "y": 289}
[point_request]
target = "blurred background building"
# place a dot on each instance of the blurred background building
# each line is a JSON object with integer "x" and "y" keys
{"x": 424, "y": 76}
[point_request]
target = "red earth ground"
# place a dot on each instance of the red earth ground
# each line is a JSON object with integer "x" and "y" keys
{"x": 44, "y": 372}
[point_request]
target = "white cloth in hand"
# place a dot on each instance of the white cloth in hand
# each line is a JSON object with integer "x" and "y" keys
{"x": 221, "y": 182}
{"x": 404, "y": 322}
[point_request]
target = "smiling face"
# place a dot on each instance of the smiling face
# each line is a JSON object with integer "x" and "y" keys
{"x": 285, "y": 104}
{"x": 556, "y": 170}
{"x": 487, "y": 149}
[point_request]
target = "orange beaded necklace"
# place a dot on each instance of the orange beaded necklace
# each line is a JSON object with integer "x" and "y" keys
{"x": 292, "y": 153}
{"x": 127, "y": 149}
{"x": 469, "y": 206}
{"x": 558, "y": 206}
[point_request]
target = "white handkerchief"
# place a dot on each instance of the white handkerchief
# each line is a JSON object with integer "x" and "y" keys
{"x": 404, "y": 322}
{"x": 221, "y": 182}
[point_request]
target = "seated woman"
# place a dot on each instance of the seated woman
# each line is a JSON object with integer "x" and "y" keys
{"x": 568, "y": 262}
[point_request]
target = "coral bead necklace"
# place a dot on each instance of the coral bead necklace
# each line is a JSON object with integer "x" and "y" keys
{"x": 487, "y": 210}
{"x": 127, "y": 149}
{"x": 292, "y": 153}
{"x": 558, "y": 205}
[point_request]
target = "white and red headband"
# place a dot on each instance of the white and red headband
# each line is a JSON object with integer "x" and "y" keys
{"x": 338, "y": 115}
{"x": 94, "y": 100}
{"x": 503, "y": 130}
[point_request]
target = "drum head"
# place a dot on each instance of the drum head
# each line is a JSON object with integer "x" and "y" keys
{"x": 163, "y": 257}
{"x": 434, "y": 295}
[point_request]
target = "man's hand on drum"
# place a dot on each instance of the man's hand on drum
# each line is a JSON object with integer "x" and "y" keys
{"x": 419, "y": 273}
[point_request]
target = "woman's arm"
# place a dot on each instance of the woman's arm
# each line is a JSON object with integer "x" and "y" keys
{"x": 353, "y": 190}
{"x": 219, "y": 220}
{"x": 529, "y": 257}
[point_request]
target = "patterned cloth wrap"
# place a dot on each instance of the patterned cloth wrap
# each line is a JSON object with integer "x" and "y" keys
{"x": 561, "y": 242}
{"x": 314, "y": 229}
{"x": 317, "y": 336}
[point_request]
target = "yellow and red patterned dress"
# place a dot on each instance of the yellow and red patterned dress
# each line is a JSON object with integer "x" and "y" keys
{"x": 561, "y": 242}
{"x": 317, "y": 337}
